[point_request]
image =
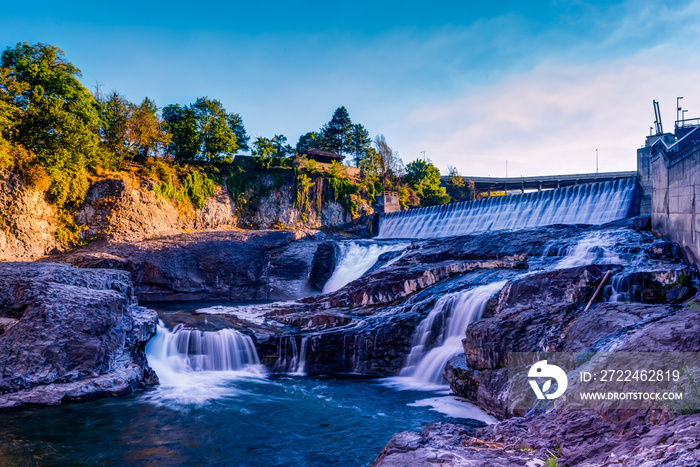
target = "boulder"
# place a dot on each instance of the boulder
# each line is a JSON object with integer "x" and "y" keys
{"x": 70, "y": 334}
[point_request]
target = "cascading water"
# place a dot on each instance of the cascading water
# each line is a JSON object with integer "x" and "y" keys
{"x": 356, "y": 258}
{"x": 192, "y": 365}
{"x": 594, "y": 203}
{"x": 290, "y": 360}
{"x": 439, "y": 336}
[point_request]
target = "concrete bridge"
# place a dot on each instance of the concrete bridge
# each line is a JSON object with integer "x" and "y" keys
{"x": 541, "y": 182}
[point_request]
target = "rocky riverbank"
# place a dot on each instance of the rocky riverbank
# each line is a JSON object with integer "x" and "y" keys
{"x": 545, "y": 312}
{"x": 70, "y": 334}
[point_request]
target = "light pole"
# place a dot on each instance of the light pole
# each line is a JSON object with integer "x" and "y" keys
{"x": 423, "y": 156}
{"x": 678, "y": 108}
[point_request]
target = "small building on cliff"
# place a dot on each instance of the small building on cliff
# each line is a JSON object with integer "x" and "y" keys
{"x": 325, "y": 157}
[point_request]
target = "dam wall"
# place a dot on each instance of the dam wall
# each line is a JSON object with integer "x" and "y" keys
{"x": 669, "y": 177}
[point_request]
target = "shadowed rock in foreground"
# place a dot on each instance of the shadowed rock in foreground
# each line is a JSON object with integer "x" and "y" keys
{"x": 69, "y": 334}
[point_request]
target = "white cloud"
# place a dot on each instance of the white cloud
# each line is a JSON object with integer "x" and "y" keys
{"x": 552, "y": 118}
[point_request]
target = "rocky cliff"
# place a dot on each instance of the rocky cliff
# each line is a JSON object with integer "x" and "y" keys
{"x": 27, "y": 221}
{"x": 124, "y": 208}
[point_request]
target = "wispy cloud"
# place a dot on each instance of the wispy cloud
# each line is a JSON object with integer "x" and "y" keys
{"x": 551, "y": 119}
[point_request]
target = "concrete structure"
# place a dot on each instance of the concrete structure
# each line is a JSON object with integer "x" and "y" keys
{"x": 388, "y": 201}
{"x": 541, "y": 182}
{"x": 669, "y": 178}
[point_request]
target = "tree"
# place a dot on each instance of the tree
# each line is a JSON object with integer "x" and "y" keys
{"x": 456, "y": 186}
{"x": 59, "y": 116}
{"x": 424, "y": 178}
{"x": 308, "y": 141}
{"x": 204, "y": 131}
{"x": 282, "y": 149}
{"x": 129, "y": 129}
{"x": 275, "y": 147}
{"x": 359, "y": 142}
{"x": 263, "y": 147}
{"x": 181, "y": 123}
{"x": 337, "y": 133}
{"x": 218, "y": 141}
{"x": 390, "y": 164}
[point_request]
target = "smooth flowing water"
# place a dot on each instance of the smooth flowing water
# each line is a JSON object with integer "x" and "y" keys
{"x": 244, "y": 421}
{"x": 355, "y": 259}
{"x": 438, "y": 338}
{"x": 595, "y": 203}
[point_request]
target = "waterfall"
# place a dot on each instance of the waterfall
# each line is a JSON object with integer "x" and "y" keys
{"x": 594, "y": 203}
{"x": 439, "y": 336}
{"x": 356, "y": 258}
{"x": 185, "y": 351}
{"x": 290, "y": 358}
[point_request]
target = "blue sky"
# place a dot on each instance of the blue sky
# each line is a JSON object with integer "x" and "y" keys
{"x": 540, "y": 84}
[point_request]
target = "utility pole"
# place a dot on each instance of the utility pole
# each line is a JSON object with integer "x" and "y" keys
{"x": 596, "y": 160}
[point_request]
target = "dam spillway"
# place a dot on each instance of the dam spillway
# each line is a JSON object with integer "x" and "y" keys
{"x": 594, "y": 203}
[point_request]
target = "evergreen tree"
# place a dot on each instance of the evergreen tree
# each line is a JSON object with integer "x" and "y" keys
{"x": 337, "y": 134}
{"x": 359, "y": 143}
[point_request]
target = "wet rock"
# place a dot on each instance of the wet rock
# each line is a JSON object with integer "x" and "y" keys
{"x": 324, "y": 263}
{"x": 450, "y": 444}
{"x": 76, "y": 334}
{"x": 223, "y": 265}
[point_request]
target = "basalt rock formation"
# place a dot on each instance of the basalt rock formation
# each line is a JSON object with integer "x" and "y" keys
{"x": 221, "y": 265}
{"x": 69, "y": 334}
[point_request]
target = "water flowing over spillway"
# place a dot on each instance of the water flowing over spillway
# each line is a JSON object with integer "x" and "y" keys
{"x": 439, "y": 336}
{"x": 595, "y": 203}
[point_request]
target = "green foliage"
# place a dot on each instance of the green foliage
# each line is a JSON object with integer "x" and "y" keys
{"x": 204, "y": 131}
{"x": 196, "y": 188}
{"x": 457, "y": 188}
{"x": 68, "y": 232}
{"x": 551, "y": 461}
{"x": 68, "y": 186}
{"x": 160, "y": 169}
{"x": 308, "y": 141}
{"x": 129, "y": 130}
{"x": 424, "y": 178}
{"x": 275, "y": 147}
{"x": 345, "y": 192}
{"x": 302, "y": 183}
{"x": 50, "y": 113}
{"x": 360, "y": 141}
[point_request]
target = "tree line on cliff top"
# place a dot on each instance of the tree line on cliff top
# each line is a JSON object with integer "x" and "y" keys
{"x": 55, "y": 132}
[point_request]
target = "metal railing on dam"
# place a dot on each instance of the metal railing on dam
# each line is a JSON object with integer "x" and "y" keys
{"x": 541, "y": 182}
